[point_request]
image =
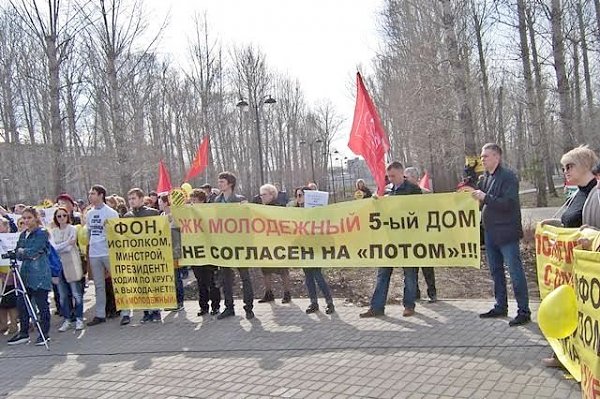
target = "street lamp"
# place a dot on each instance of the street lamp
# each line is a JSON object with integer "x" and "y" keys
{"x": 312, "y": 158}
{"x": 331, "y": 170}
{"x": 339, "y": 157}
{"x": 243, "y": 104}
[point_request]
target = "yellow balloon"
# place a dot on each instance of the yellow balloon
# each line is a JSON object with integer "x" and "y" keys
{"x": 557, "y": 315}
{"x": 187, "y": 188}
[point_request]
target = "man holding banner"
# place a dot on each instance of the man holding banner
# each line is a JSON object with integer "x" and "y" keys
{"x": 135, "y": 197}
{"x": 401, "y": 186}
{"x": 226, "y": 183}
{"x": 498, "y": 195}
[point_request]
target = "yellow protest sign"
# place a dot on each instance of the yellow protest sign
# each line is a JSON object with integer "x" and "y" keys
{"x": 587, "y": 283}
{"x": 411, "y": 230}
{"x": 554, "y": 258}
{"x": 141, "y": 262}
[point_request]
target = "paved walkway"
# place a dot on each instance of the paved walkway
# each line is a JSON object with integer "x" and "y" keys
{"x": 445, "y": 351}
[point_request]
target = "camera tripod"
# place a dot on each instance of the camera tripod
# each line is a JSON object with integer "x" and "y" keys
{"x": 19, "y": 289}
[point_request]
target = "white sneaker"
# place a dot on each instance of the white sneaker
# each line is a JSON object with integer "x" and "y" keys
{"x": 79, "y": 324}
{"x": 65, "y": 326}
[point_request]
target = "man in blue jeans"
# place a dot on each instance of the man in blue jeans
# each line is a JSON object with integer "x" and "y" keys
{"x": 400, "y": 186}
{"x": 498, "y": 195}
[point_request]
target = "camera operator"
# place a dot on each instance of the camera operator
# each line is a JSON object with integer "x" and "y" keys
{"x": 32, "y": 250}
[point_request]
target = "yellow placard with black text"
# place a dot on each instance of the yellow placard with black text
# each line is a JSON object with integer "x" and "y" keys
{"x": 587, "y": 288}
{"x": 141, "y": 262}
{"x": 410, "y": 230}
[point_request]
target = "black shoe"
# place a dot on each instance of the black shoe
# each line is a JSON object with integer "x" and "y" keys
{"x": 249, "y": 314}
{"x": 330, "y": 309}
{"x": 312, "y": 308}
{"x": 287, "y": 297}
{"x": 226, "y": 313}
{"x": 520, "y": 320}
{"x": 96, "y": 320}
{"x": 18, "y": 338}
{"x": 494, "y": 313}
{"x": 433, "y": 299}
{"x": 41, "y": 342}
{"x": 214, "y": 312}
{"x": 268, "y": 297}
{"x": 202, "y": 312}
{"x": 147, "y": 318}
{"x": 125, "y": 320}
{"x": 155, "y": 316}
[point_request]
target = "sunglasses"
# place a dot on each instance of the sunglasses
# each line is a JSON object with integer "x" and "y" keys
{"x": 568, "y": 167}
{"x": 62, "y": 216}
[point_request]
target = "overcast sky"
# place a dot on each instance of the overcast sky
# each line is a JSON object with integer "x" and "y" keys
{"x": 319, "y": 42}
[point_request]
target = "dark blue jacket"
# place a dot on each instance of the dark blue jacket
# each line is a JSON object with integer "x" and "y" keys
{"x": 501, "y": 210}
{"x": 33, "y": 251}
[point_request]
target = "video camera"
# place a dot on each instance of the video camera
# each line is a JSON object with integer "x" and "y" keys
{"x": 12, "y": 255}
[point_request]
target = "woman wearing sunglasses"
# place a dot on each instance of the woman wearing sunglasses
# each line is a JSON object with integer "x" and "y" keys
{"x": 65, "y": 242}
{"x": 577, "y": 165}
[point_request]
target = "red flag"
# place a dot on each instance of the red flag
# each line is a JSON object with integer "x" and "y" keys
{"x": 425, "y": 182}
{"x": 200, "y": 162}
{"x": 367, "y": 137}
{"x": 164, "y": 181}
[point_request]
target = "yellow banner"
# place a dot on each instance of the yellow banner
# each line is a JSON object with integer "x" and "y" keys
{"x": 587, "y": 283}
{"x": 554, "y": 257}
{"x": 411, "y": 230}
{"x": 141, "y": 262}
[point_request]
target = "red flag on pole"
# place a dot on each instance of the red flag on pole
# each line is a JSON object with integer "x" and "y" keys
{"x": 367, "y": 137}
{"x": 164, "y": 181}
{"x": 425, "y": 182}
{"x": 200, "y": 162}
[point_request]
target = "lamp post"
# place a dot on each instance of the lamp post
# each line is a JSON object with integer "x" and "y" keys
{"x": 332, "y": 175}
{"x": 342, "y": 167}
{"x": 312, "y": 158}
{"x": 243, "y": 104}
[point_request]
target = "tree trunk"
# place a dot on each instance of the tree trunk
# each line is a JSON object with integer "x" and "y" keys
{"x": 533, "y": 110}
{"x": 578, "y": 123}
{"x": 542, "y": 134}
{"x": 487, "y": 113}
{"x": 586, "y": 62}
{"x": 465, "y": 116}
{"x": 564, "y": 91}
{"x": 56, "y": 132}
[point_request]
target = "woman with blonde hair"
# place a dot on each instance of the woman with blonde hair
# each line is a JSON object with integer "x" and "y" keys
{"x": 65, "y": 243}
{"x": 577, "y": 165}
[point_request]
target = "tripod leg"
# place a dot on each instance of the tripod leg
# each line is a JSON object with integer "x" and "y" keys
{"x": 21, "y": 290}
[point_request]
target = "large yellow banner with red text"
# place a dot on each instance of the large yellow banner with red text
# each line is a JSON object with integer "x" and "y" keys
{"x": 412, "y": 230}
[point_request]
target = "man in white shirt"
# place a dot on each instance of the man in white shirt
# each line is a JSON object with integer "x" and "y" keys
{"x": 98, "y": 247}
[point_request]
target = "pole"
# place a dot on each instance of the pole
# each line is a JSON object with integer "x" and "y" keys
{"x": 260, "y": 160}
{"x": 312, "y": 161}
{"x": 332, "y": 177}
{"x": 343, "y": 179}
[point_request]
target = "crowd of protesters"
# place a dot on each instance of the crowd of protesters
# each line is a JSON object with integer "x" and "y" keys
{"x": 77, "y": 235}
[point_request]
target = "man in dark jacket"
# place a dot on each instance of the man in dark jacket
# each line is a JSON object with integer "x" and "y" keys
{"x": 498, "y": 195}
{"x": 400, "y": 186}
{"x": 135, "y": 197}
{"x": 226, "y": 183}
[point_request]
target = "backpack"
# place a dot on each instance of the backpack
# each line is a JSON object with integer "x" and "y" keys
{"x": 54, "y": 261}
